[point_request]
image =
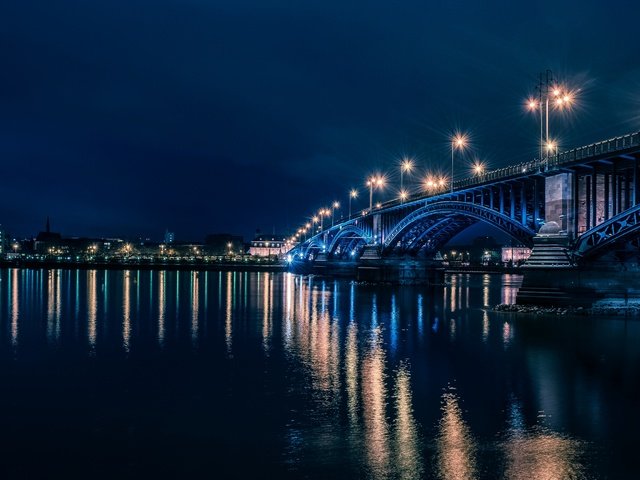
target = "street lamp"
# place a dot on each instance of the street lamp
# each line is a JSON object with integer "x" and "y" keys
{"x": 429, "y": 183}
{"x": 403, "y": 196}
{"x": 478, "y": 167}
{"x": 370, "y": 183}
{"x": 352, "y": 194}
{"x": 334, "y": 207}
{"x": 552, "y": 147}
{"x": 405, "y": 166}
{"x": 536, "y": 105}
{"x": 458, "y": 142}
{"x": 321, "y": 213}
{"x": 562, "y": 99}
{"x": 374, "y": 182}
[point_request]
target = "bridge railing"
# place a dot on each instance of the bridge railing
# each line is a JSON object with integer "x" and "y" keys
{"x": 554, "y": 161}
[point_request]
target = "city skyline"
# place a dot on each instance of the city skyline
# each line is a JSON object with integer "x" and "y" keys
{"x": 245, "y": 116}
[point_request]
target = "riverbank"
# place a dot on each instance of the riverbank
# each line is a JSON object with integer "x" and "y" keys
{"x": 122, "y": 265}
{"x": 608, "y": 307}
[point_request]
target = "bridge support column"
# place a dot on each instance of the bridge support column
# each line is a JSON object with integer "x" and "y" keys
{"x": 377, "y": 228}
{"x": 559, "y": 196}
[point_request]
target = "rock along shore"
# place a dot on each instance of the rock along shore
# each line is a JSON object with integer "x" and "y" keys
{"x": 605, "y": 308}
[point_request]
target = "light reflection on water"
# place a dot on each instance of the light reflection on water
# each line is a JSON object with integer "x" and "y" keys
{"x": 539, "y": 452}
{"x": 363, "y": 377}
{"x": 456, "y": 447}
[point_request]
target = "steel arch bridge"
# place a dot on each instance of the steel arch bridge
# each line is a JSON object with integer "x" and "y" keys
{"x": 592, "y": 192}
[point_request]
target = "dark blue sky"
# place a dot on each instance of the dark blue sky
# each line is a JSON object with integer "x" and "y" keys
{"x": 128, "y": 117}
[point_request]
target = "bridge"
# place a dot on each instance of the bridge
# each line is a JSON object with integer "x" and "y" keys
{"x": 592, "y": 193}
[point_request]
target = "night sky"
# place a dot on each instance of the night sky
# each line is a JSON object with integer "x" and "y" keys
{"x": 130, "y": 117}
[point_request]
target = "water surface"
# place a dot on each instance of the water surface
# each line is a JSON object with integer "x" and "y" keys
{"x": 242, "y": 375}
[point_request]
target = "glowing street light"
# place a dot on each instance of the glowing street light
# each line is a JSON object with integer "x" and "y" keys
{"x": 322, "y": 213}
{"x": 352, "y": 194}
{"x": 429, "y": 183}
{"x": 374, "y": 182}
{"x": 562, "y": 98}
{"x": 458, "y": 142}
{"x": 478, "y": 168}
{"x": 552, "y": 147}
{"x": 403, "y": 195}
{"x": 334, "y": 207}
{"x": 405, "y": 166}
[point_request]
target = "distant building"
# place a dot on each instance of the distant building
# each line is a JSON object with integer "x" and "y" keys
{"x": 224, "y": 244}
{"x": 169, "y": 237}
{"x": 267, "y": 245}
{"x": 47, "y": 241}
{"x": 515, "y": 255}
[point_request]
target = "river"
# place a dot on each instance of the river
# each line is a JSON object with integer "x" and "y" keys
{"x": 118, "y": 374}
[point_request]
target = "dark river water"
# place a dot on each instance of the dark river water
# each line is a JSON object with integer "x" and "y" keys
{"x": 122, "y": 374}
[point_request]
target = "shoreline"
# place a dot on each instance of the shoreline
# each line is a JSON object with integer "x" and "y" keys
{"x": 195, "y": 266}
{"x": 609, "y": 307}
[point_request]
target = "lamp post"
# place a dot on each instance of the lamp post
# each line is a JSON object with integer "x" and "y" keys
{"x": 374, "y": 182}
{"x": 334, "y": 207}
{"x": 370, "y": 184}
{"x": 352, "y": 194}
{"x": 562, "y": 98}
{"x": 458, "y": 142}
{"x": 405, "y": 166}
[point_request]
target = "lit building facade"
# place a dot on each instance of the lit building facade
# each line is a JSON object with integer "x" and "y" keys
{"x": 268, "y": 246}
{"x": 515, "y": 255}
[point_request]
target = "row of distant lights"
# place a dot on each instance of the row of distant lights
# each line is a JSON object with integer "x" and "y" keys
{"x": 562, "y": 99}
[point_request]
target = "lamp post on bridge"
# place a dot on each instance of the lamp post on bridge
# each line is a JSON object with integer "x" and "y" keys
{"x": 321, "y": 213}
{"x": 458, "y": 142}
{"x": 352, "y": 194}
{"x": 562, "y": 98}
{"x": 334, "y": 207}
{"x": 405, "y": 166}
{"x": 374, "y": 182}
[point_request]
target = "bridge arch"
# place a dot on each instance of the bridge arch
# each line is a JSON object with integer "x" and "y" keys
{"x": 619, "y": 229}
{"x": 438, "y": 222}
{"x": 349, "y": 235}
